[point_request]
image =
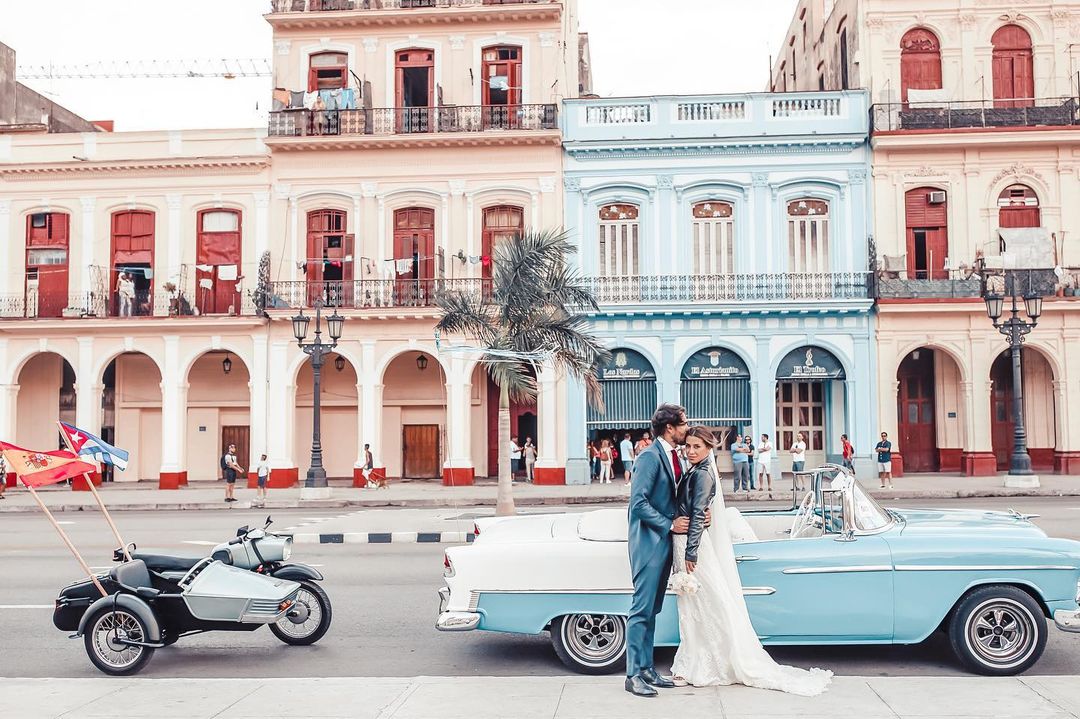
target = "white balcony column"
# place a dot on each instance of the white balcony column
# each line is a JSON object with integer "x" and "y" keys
{"x": 281, "y": 404}
{"x": 294, "y": 239}
{"x": 9, "y": 403}
{"x": 86, "y": 244}
{"x": 548, "y": 455}
{"x": 458, "y": 426}
{"x": 174, "y": 240}
{"x": 262, "y": 224}
{"x": 174, "y": 390}
{"x": 257, "y": 387}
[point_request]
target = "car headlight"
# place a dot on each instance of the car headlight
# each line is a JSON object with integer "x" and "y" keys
{"x": 286, "y": 551}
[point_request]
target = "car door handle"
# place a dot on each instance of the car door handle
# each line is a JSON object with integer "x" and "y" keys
{"x": 746, "y": 558}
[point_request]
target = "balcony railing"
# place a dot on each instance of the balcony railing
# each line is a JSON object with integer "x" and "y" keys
{"x": 650, "y": 289}
{"x": 369, "y": 294}
{"x": 34, "y": 305}
{"x": 1041, "y": 112}
{"x": 291, "y": 6}
{"x": 413, "y": 120}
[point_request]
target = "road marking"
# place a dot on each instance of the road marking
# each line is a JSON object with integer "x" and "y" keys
{"x": 201, "y": 542}
{"x": 27, "y": 606}
{"x": 65, "y": 522}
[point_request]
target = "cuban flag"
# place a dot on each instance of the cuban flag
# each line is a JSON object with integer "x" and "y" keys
{"x": 87, "y": 445}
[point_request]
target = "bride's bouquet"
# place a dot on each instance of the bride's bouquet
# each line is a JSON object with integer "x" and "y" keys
{"x": 684, "y": 584}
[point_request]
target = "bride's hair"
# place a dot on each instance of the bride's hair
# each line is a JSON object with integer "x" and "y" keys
{"x": 707, "y": 437}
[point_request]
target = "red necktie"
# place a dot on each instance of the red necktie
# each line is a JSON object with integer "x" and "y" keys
{"x": 676, "y": 465}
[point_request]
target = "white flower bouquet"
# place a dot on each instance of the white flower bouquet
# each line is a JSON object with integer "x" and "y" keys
{"x": 684, "y": 584}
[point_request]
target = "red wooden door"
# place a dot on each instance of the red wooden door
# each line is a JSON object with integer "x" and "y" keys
{"x": 218, "y": 261}
{"x": 915, "y": 412}
{"x": 420, "y": 450}
{"x": 1013, "y": 67}
{"x": 1001, "y": 409}
{"x": 927, "y": 234}
{"x": 414, "y": 253}
{"x": 414, "y": 89}
{"x": 47, "y": 244}
{"x": 240, "y": 435}
{"x": 500, "y": 223}
{"x": 329, "y": 258}
{"x": 501, "y": 86}
{"x": 133, "y": 249}
{"x": 920, "y": 61}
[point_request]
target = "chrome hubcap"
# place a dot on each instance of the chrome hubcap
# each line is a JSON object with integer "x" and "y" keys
{"x": 594, "y": 638}
{"x": 108, "y": 634}
{"x": 304, "y": 617}
{"x": 1002, "y": 632}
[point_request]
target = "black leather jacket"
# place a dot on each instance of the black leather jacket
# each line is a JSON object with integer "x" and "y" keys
{"x": 696, "y": 492}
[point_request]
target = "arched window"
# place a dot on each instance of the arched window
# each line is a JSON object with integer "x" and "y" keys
{"x": 926, "y": 217}
{"x": 920, "y": 61}
{"x": 808, "y": 235}
{"x": 845, "y": 80}
{"x": 1018, "y": 206}
{"x": 500, "y": 223}
{"x": 1014, "y": 74}
{"x": 328, "y": 71}
{"x": 618, "y": 240}
{"x": 713, "y": 234}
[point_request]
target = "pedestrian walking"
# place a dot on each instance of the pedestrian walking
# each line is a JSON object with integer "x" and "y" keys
{"x": 616, "y": 457}
{"x": 594, "y": 460}
{"x": 231, "y": 471}
{"x": 515, "y": 457}
{"x": 529, "y": 453}
{"x": 884, "y": 460}
{"x": 740, "y": 459}
{"x": 643, "y": 444}
{"x": 263, "y": 475}
{"x": 764, "y": 464}
{"x": 626, "y": 448}
{"x": 748, "y": 440}
{"x": 848, "y": 453}
{"x": 605, "y": 461}
{"x": 798, "y": 459}
{"x": 125, "y": 289}
{"x": 3, "y": 476}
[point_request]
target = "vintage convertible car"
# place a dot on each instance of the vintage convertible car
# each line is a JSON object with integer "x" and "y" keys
{"x": 836, "y": 568}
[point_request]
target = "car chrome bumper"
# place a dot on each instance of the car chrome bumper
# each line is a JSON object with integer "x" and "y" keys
{"x": 1067, "y": 620}
{"x": 454, "y": 621}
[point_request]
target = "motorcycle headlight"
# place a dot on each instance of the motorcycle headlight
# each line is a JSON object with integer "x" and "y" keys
{"x": 286, "y": 551}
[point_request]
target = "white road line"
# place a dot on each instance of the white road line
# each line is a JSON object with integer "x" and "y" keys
{"x": 201, "y": 542}
{"x": 26, "y": 606}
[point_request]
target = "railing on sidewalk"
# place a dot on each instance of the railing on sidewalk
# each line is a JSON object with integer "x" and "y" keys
{"x": 730, "y": 288}
{"x": 1030, "y": 112}
{"x": 411, "y": 120}
{"x": 294, "y": 6}
{"x": 370, "y": 294}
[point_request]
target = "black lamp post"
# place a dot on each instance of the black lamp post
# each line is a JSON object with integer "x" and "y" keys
{"x": 318, "y": 351}
{"x": 1015, "y": 329}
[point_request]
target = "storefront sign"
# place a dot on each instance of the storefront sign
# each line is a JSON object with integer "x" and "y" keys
{"x": 715, "y": 363}
{"x": 808, "y": 364}
{"x": 626, "y": 365}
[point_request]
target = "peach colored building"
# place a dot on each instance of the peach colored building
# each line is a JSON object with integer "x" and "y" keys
{"x": 407, "y": 137}
{"x": 976, "y": 146}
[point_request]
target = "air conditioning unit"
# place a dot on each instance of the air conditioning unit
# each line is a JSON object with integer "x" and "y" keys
{"x": 936, "y": 198}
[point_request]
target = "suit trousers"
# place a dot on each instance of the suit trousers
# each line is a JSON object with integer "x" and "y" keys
{"x": 650, "y": 585}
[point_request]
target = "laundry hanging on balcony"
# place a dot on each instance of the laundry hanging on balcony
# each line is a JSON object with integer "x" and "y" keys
{"x": 628, "y": 386}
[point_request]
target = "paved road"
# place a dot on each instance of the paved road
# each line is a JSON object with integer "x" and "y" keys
{"x": 384, "y": 604}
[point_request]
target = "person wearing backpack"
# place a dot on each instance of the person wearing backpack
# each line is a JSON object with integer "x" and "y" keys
{"x": 230, "y": 470}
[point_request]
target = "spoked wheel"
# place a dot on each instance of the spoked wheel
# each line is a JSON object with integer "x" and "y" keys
{"x": 308, "y": 619}
{"x": 104, "y": 645}
{"x": 590, "y": 643}
{"x": 998, "y": 630}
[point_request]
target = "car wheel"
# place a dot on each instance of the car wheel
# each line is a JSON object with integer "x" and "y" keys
{"x": 998, "y": 631}
{"x": 590, "y": 643}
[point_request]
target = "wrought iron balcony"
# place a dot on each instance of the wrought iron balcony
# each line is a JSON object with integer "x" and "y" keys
{"x": 771, "y": 287}
{"x": 908, "y": 289}
{"x": 369, "y": 294}
{"x": 1035, "y": 112}
{"x": 413, "y": 120}
{"x": 294, "y": 6}
{"x": 83, "y": 305}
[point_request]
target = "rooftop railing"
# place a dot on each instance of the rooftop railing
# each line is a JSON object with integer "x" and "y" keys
{"x": 293, "y": 6}
{"x": 385, "y": 121}
{"x": 1032, "y": 112}
{"x": 747, "y": 287}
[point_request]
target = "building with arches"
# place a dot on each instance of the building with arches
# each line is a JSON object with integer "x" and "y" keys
{"x": 975, "y": 133}
{"x": 725, "y": 238}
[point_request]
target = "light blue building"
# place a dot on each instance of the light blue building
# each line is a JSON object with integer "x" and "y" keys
{"x": 726, "y": 237}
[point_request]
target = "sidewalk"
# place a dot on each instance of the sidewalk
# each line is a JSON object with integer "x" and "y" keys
{"x": 145, "y": 496}
{"x": 529, "y": 698}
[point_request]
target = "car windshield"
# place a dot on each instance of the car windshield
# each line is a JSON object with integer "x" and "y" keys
{"x": 869, "y": 515}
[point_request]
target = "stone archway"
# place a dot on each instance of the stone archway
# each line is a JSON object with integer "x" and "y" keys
{"x": 1040, "y": 412}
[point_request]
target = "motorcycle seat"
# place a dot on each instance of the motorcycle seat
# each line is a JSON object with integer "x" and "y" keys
{"x": 167, "y": 562}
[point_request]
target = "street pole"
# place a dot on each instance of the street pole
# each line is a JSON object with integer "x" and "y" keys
{"x": 315, "y": 484}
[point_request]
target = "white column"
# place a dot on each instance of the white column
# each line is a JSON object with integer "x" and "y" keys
{"x": 262, "y": 225}
{"x": 369, "y": 422}
{"x": 547, "y": 448}
{"x": 356, "y": 228}
{"x": 9, "y": 402}
{"x": 385, "y": 240}
{"x": 443, "y": 240}
{"x": 88, "y": 389}
{"x": 257, "y": 402}
{"x": 470, "y": 231}
{"x": 174, "y": 390}
{"x": 534, "y": 221}
{"x": 174, "y": 238}
{"x": 86, "y": 246}
{"x": 9, "y": 275}
{"x": 458, "y": 426}
{"x": 281, "y": 404}
{"x": 294, "y": 238}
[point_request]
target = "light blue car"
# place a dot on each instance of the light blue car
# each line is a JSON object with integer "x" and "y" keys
{"x": 836, "y": 568}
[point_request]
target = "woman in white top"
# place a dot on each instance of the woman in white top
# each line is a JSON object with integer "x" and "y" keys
{"x": 605, "y": 462}
{"x": 764, "y": 460}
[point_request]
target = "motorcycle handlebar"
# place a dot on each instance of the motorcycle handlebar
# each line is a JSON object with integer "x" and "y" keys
{"x": 238, "y": 540}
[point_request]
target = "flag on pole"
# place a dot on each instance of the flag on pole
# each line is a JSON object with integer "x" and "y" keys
{"x": 88, "y": 445}
{"x": 36, "y": 469}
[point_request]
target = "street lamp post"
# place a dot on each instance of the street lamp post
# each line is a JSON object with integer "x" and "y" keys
{"x": 1015, "y": 329}
{"x": 315, "y": 485}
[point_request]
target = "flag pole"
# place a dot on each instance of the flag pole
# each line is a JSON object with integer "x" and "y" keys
{"x": 93, "y": 490}
{"x": 63, "y": 536}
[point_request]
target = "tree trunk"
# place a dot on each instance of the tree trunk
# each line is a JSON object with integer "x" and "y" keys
{"x": 504, "y": 502}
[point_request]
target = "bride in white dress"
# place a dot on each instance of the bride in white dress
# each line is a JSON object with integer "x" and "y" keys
{"x": 718, "y": 642}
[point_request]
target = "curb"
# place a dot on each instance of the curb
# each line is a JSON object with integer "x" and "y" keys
{"x": 383, "y": 538}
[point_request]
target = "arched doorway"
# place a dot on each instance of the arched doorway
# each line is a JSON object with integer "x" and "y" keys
{"x": 1013, "y": 67}
{"x": 339, "y": 403}
{"x": 929, "y": 413}
{"x": 1018, "y": 206}
{"x": 218, "y": 414}
{"x": 46, "y": 395}
{"x": 1040, "y": 412}
{"x": 414, "y": 400}
{"x": 131, "y": 414}
{"x": 810, "y": 398}
{"x": 628, "y": 384}
{"x": 920, "y": 61}
{"x": 523, "y": 423}
{"x": 715, "y": 389}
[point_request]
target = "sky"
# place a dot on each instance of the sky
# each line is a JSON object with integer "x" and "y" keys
{"x": 639, "y": 47}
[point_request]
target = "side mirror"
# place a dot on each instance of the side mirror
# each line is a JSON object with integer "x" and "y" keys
{"x": 848, "y": 535}
{"x": 242, "y": 531}
{"x": 268, "y": 521}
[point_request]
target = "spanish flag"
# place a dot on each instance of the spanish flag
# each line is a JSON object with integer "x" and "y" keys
{"x": 36, "y": 469}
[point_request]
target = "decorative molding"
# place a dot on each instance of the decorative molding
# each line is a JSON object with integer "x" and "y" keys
{"x": 457, "y": 42}
{"x": 857, "y": 177}
{"x": 718, "y": 147}
{"x": 281, "y": 190}
{"x": 457, "y": 188}
{"x": 664, "y": 182}
{"x": 968, "y": 20}
{"x": 760, "y": 179}
{"x": 368, "y": 189}
{"x": 371, "y": 44}
{"x": 165, "y": 166}
{"x": 1017, "y": 170}
{"x": 875, "y": 22}
{"x": 282, "y": 47}
{"x": 547, "y": 39}
{"x": 174, "y": 201}
{"x": 573, "y": 184}
{"x": 925, "y": 171}
{"x": 262, "y": 200}
{"x": 547, "y": 184}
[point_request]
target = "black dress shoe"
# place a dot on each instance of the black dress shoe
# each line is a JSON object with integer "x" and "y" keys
{"x": 651, "y": 677}
{"x": 637, "y": 686}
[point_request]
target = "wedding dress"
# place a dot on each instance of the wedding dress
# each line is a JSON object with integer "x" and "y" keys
{"x": 718, "y": 642}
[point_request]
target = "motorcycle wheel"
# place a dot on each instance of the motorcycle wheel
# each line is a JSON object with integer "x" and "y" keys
{"x": 312, "y": 621}
{"x": 103, "y": 629}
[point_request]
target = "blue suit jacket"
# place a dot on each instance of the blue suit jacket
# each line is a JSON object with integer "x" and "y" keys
{"x": 652, "y": 507}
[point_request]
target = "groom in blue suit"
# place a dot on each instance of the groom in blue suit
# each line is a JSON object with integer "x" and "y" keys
{"x": 657, "y": 472}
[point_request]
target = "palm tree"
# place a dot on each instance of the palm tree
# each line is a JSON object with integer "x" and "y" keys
{"x": 532, "y": 313}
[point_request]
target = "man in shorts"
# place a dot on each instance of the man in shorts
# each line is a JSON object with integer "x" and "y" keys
{"x": 231, "y": 471}
{"x": 884, "y": 460}
{"x": 263, "y": 472}
{"x": 626, "y": 449}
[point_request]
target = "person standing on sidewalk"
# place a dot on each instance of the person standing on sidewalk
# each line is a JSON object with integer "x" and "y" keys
{"x": 231, "y": 471}
{"x": 515, "y": 458}
{"x": 748, "y": 440}
{"x": 798, "y": 458}
{"x": 764, "y": 464}
{"x": 626, "y": 448}
{"x": 263, "y": 472}
{"x": 884, "y": 460}
{"x": 529, "y": 452}
{"x": 740, "y": 460}
{"x": 848, "y": 452}
{"x": 3, "y": 477}
{"x": 605, "y": 461}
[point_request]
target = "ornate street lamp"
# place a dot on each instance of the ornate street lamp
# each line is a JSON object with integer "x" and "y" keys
{"x": 315, "y": 485}
{"x": 1015, "y": 329}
